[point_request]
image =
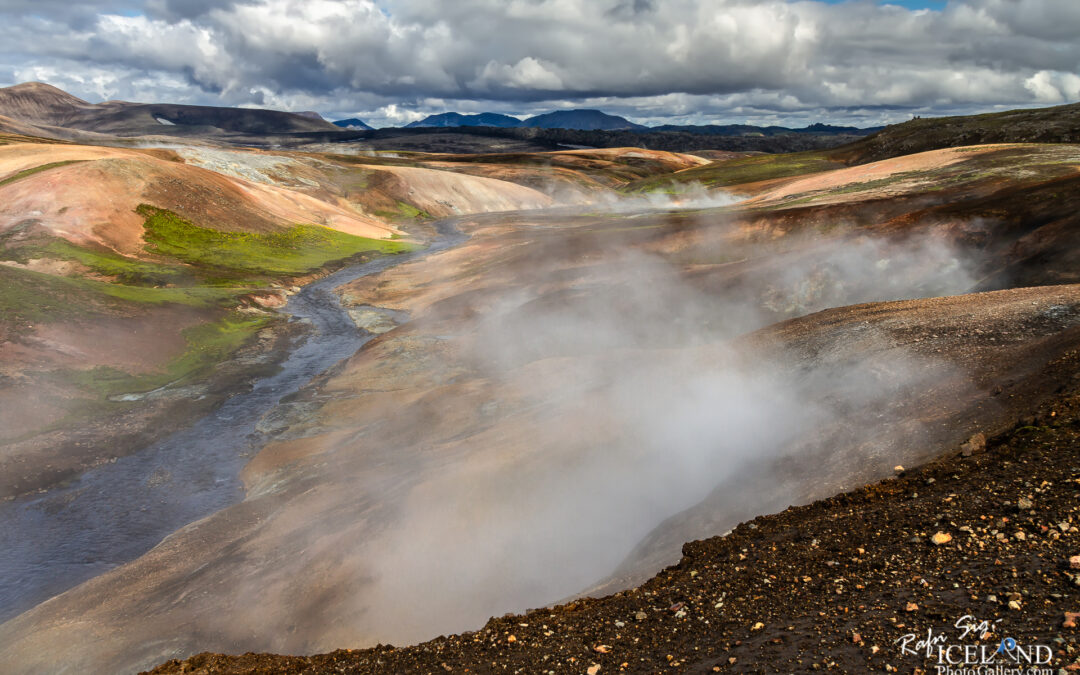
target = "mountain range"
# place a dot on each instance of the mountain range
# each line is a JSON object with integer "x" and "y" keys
{"x": 38, "y": 109}
{"x": 597, "y": 120}
{"x": 585, "y": 120}
{"x": 453, "y": 119}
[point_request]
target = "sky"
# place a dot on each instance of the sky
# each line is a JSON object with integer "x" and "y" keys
{"x": 391, "y": 62}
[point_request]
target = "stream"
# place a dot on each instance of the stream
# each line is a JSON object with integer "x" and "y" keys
{"x": 53, "y": 541}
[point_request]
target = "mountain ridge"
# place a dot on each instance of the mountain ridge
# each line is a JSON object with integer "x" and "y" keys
{"x": 41, "y": 104}
{"x": 354, "y": 123}
{"x": 456, "y": 119}
{"x": 582, "y": 119}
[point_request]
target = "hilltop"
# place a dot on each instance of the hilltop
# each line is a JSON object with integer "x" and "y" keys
{"x": 353, "y": 123}
{"x": 1056, "y": 124}
{"x": 49, "y": 108}
{"x": 453, "y": 119}
{"x": 40, "y": 103}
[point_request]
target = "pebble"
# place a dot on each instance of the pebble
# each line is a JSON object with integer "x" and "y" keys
{"x": 641, "y": 616}
{"x": 1074, "y": 562}
{"x": 977, "y": 443}
{"x": 941, "y": 538}
{"x": 1013, "y": 604}
{"x": 1024, "y": 504}
{"x": 593, "y": 669}
{"x": 912, "y": 607}
{"x": 1071, "y": 619}
{"x": 757, "y": 626}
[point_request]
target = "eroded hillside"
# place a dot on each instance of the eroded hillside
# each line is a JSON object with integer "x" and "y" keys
{"x": 574, "y": 393}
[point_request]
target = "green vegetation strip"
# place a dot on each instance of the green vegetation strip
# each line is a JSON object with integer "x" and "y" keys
{"x": 37, "y": 169}
{"x": 28, "y": 297}
{"x": 125, "y": 270}
{"x": 404, "y": 212}
{"x": 740, "y": 171}
{"x": 242, "y": 255}
{"x": 208, "y": 344}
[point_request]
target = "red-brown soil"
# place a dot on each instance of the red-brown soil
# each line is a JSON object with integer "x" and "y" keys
{"x": 831, "y": 586}
{"x": 470, "y": 388}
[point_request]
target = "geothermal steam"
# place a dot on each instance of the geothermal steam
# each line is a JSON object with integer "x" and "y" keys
{"x": 621, "y": 401}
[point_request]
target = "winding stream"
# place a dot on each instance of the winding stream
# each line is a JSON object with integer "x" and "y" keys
{"x": 116, "y": 512}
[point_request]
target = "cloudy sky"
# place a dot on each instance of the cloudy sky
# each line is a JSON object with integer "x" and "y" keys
{"x": 655, "y": 61}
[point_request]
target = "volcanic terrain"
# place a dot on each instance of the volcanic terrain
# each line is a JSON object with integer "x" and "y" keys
{"x": 555, "y": 369}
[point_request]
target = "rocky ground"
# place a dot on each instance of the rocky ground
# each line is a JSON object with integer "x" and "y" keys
{"x": 987, "y": 532}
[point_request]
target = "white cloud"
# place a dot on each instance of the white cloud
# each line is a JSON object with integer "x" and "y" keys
{"x": 702, "y": 57}
{"x": 1042, "y": 87}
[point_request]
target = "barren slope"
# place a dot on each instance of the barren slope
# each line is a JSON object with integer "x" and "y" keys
{"x": 496, "y": 383}
{"x": 52, "y": 111}
{"x": 116, "y": 263}
{"x": 591, "y": 380}
{"x": 834, "y": 586}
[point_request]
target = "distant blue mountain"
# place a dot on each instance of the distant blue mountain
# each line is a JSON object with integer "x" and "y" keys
{"x": 453, "y": 119}
{"x": 597, "y": 120}
{"x": 751, "y": 130}
{"x": 353, "y": 123}
{"x": 587, "y": 120}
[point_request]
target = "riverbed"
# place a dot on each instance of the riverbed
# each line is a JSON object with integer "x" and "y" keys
{"x": 113, "y": 513}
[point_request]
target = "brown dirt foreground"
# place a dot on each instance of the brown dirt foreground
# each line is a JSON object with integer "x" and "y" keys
{"x": 832, "y": 586}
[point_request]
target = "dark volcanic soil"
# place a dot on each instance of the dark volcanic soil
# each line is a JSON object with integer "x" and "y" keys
{"x": 829, "y": 586}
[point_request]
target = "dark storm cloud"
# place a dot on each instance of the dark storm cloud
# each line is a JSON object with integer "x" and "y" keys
{"x": 683, "y": 59}
{"x": 175, "y": 10}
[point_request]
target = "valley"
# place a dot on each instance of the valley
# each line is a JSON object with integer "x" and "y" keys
{"x": 321, "y": 397}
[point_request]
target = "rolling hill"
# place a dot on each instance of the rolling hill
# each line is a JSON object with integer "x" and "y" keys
{"x": 1056, "y": 124}
{"x": 40, "y": 104}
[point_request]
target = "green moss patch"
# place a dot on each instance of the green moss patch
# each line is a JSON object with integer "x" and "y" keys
{"x": 404, "y": 212}
{"x": 37, "y": 169}
{"x": 248, "y": 255}
{"x": 28, "y": 297}
{"x": 740, "y": 171}
{"x": 125, "y": 270}
{"x": 208, "y": 344}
